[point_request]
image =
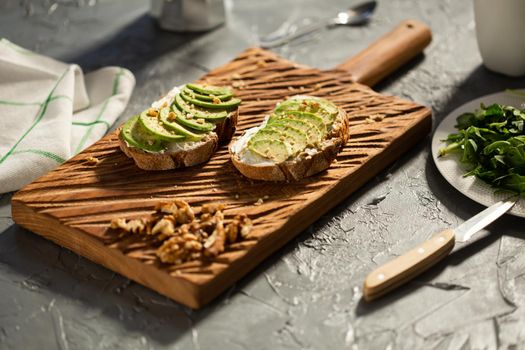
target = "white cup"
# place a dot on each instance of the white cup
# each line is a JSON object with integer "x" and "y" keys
{"x": 500, "y": 30}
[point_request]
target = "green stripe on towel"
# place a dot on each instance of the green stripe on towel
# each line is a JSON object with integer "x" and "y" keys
{"x": 93, "y": 123}
{"x": 116, "y": 82}
{"x": 38, "y": 118}
{"x": 46, "y": 154}
{"x": 16, "y": 103}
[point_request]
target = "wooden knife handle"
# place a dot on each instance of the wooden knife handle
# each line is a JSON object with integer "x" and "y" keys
{"x": 402, "y": 269}
{"x": 389, "y": 52}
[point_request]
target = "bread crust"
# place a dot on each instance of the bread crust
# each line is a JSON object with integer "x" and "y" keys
{"x": 304, "y": 165}
{"x": 172, "y": 160}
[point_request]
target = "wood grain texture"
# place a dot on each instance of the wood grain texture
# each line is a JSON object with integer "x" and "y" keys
{"x": 74, "y": 204}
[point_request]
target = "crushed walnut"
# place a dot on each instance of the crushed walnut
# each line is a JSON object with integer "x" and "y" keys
{"x": 152, "y": 112}
{"x": 185, "y": 234}
{"x": 374, "y": 118}
{"x": 92, "y": 161}
{"x": 172, "y": 116}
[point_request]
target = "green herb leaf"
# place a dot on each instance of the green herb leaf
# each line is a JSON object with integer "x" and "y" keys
{"x": 491, "y": 142}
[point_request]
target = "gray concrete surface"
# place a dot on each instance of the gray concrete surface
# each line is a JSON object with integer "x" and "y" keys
{"x": 307, "y": 296}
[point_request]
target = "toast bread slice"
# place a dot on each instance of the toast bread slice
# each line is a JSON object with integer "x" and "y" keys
{"x": 303, "y": 165}
{"x": 198, "y": 152}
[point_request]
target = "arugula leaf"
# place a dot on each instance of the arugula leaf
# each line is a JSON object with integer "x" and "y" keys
{"x": 491, "y": 143}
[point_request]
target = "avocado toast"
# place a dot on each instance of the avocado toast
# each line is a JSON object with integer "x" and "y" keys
{"x": 182, "y": 129}
{"x": 299, "y": 138}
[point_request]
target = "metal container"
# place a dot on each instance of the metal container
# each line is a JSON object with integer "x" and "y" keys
{"x": 188, "y": 15}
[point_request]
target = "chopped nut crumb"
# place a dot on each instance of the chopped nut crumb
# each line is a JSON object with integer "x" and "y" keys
{"x": 374, "y": 118}
{"x": 152, "y": 112}
{"x": 238, "y": 84}
{"x": 262, "y": 63}
{"x": 216, "y": 100}
{"x": 92, "y": 161}
{"x": 259, "y": 201}
{"x": 172, "y": 116}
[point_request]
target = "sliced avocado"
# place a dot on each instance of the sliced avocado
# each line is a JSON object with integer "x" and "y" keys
{"x": 191, "y": 123}
{"x": 295, "y": 137}
{"x": 135, "y": 136}
{"x": 272, "y": 149}
{"x": 313, "y": 134}
{"x": 153, "y": 125}
{"x": 201, "y": 97}
{"x": 323, "y": 108}
{"x": 230, "y": 104}
{"x": 305, "y": 116}
{"x": 176, "y": 127}
{"x": 267, "y": 134}
{"x": 211, "y": 116}
{"x": 209, "y": 89}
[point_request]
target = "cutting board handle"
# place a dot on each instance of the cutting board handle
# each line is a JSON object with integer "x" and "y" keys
{"x": 389, "y": 52}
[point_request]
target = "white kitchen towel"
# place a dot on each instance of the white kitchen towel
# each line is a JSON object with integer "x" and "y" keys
{"x": 50, "y": 111}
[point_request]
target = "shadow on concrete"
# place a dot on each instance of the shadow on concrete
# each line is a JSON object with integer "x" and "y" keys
{"x": 134, "y": 46}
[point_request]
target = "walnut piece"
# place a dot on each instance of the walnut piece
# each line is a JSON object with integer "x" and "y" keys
{"x": 130, "y": 226}
{"x": 164, "y": 226}
{"x": 183, "y": 236}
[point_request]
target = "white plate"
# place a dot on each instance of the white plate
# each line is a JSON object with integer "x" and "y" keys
{"x": 449, "y": 165}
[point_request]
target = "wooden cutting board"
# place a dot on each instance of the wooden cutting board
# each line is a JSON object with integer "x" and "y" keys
{"x": 73, "y": 204}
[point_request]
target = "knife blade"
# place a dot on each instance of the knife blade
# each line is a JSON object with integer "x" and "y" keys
{"x": 407, "y": 266}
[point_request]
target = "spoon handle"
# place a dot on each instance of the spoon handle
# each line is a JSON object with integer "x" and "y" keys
{"x": 388, "y": 53}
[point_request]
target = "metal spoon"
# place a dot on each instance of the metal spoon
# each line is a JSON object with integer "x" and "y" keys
{"x": 354, "y": 16}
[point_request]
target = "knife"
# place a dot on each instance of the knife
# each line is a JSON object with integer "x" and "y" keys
{"x": 407, "y": 266}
